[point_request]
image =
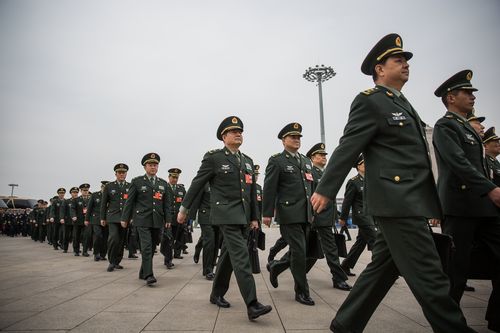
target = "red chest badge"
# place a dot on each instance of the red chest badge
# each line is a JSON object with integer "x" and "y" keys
{"x": 309, "y": 176}
{"x": 178, "y": 199}
{"x": 157, "y": 195}
{"x": 248, "y": 179}
{"x": 125, "y": 196}
{"x": 84, "y": 210}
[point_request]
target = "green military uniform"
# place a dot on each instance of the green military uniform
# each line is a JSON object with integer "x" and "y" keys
{"x": 491, "y": 161}
{"x": 323, "y": 223}
{"x": 287, "y": 190}
{"x": 367, "y": 232}
{"x": 148, "y": 205}
{"x": 41, "y": 216}
{"x": 55, "y": 214}
{"x": 232, "y": 206}
{"x": 177, "y": 193}
{"x": 114, "y": 196}
{"x": 200, "y": 210}
{"x": 100, "y": 233}
{"x": 81, "y": 234}
{"x": 470, "y": 216}
{"x": 68, "y": 227}
{"x": 400, "y": 194}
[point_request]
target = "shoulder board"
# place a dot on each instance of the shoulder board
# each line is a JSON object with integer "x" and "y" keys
{"x": 449, "y": 116}
{"x": 277, "y": 154}
{"x": 246, "y": 156}
{"x": 138, "y": 177}
{"x": 181, "y": 185}
{"x": 213, "y": 151}
{"x": 370, "y": 91}
{"x": 355, "y": 177}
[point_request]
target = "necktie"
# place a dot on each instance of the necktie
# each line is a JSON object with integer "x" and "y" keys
{"x": 152, "y": 180}
{"x": 238, "y": 157}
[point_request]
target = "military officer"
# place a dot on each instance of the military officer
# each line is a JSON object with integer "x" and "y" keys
{"x": 476, "y": 122}
{"x": 367, "y": 232}
{"x": 491, "y": 144}
{"x": 114, "y": 196}
{"x": 323, "y": 222}
{"x": 93, "y": 220}
{"x": 200, "y": 210}
{"x": 176, "y": 193}
{"x": 41, "y": 220}
{"x": 78, "y": 209}
{"x": 469, "y": 197}
{"x": 399, "y": 193}
{"x": 55, "y": 218}
{"x": 287, "y": 190}
{"x": 233, "y": 208}
{"x": 149, "y": 205}
{"x": 34, "y": 218}
{"x": 69, "y": 226}
{"x": 258, "y": 189}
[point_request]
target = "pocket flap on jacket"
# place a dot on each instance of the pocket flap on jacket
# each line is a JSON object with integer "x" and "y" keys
{"x": 396, "y": 175}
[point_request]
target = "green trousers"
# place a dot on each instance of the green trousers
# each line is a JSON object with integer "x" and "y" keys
{"x": 208, "y": 236}
{"x": 234, "y": 257}
{"x": 116, "y": 241}
{"x": 404, "y": 246}
{"x": 148, "y": 238}
{"x": 366, "y": 236}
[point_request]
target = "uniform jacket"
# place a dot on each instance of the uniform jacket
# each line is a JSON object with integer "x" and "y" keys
{"x": 287, "y": 188}
{"x": 177, "y": 196}
{"x": 78, "y": 209}
{"x": 463, "y": 182}
{"x": 391, "y": 136}
{"x": 147, "y": 204}
{"x": 258, "y": 190}
{"x": 494, "y": 169}
{"x": 353, "y": 197}
{"x": 327, "y": 216}
{"x": 55, "y": 209}
{"x": 233, "y": 197}
{"x": 65, "y": 210}
{"x": 113, "y": 201}
{"x": 201, "y": 206}
{"x": 93, "y": 214}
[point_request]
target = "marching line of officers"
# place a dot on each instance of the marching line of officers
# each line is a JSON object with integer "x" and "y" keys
{"x": 396, "y": 192}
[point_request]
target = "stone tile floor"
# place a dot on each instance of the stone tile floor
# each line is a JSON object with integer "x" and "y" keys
{"x": 45, "y": 290}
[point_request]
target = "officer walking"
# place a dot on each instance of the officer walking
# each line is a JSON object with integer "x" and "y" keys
{"x": 93, "y": 220}
{"x": 233, "y": 208}
{"x": 367, "y": 232}
{"x": 399, "y": 192}
{"x": 491, "y": 144}
{"x": 148, "y": 204}
{"x": 55, "y": 218}
{"x": 469, "y": 197}
{"x": 287, "y": 190}
{"x": 176, "y": 193}
{"x": 114, "y": 196}
{"x": 323, "y": 222}
{"x": 78, "y": 209}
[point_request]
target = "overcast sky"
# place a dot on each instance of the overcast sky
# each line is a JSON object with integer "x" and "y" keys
{"x": 88, "y": 84}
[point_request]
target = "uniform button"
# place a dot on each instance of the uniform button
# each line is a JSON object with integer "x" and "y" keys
{"x": 463, "y": 187}
{"x": 137, "y": 211}
{"x": 154, "y": 203}
{"x": 217, "y": 203}
{"x": 286, "y": 202}
{"x": 242, "y": 190}
{"x": 154, "y": 210}
{"x": 400, "y": 124}
{"x": 397, "y": 178}
{"x": 241, "y": 180}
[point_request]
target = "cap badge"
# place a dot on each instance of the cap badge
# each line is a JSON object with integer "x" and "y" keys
{"x": 153, "y": 155}
{"x": 322, "y": 146}
{"x": 398, "y": 41}
{"x": 234, "y": 120}
{"x": 121, "y": 165}
{"x": 469, "y": 76}
{"x": 295, "y": 126}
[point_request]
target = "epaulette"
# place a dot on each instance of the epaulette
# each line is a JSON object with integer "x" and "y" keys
{"x": 277, "y": 154}
{"x": 213, "y": 151}
{"x": 138, "y": 177}
{"x": 355, "y": 177}
{"x": 181, "y": 185}
{"x": 370, "y": 91}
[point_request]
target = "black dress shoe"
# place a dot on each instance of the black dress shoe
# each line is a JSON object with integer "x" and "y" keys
{"x": 111, "y": 268}
{"x": 132, "y": 256}
{"x": 342, "y": 285}
{"x": 256, "y": 309}
{"x": 103, "y": 258}
{"x": 150, "y": 280}
{"x": 210, "y": 276}
{"x": 97, "y": 258}
{"x": 303, "y": 299}
{"x": 196, "y": 257}
{"x": 178, "y": 256}
{"x": 219, "y": 301}
{"x": 77, "y": 254}
{"x": 85, "y": 254}
{"x": 169, "y": 265}
{"x": 118, "y": 266}
{"x": 273, "y": 277}
{"x": 469, "y": 288}
{"x": 185, "y": 252}
{"x": 347, "y": 270}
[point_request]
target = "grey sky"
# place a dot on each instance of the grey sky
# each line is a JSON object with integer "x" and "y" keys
{"x": 87, "y": 84}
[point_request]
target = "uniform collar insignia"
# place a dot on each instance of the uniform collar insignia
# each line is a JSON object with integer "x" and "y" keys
{"x": 397, "y": 114}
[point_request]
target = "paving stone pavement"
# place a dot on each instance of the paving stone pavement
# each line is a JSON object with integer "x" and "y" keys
{"x": 43, "y": 290}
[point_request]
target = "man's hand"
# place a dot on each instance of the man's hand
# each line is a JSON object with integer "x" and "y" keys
{"x": 61, "y": 221}
{"x": 494, "y": 196}
{"x": 319, "y": 202}
{"x": 254, "y": 224}
{"x": 167, "y": 225}
{"x": 74, "y": 219}
{"x": 103, "y": 223}
{"x": 181, "y": 217}
{"x": 86, "y": 223}
{"x": 124, "y": 224}
{"x": 342, "y": 222}
{"x": 267, "y": 221}
{"x": 51, "y": 220}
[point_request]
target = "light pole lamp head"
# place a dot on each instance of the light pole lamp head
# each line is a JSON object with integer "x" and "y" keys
{"x": 319, "y": 73}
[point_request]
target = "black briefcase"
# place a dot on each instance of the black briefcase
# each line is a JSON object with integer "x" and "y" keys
{"x": 261, "y": 240}
{"x": 482, "y": 265}
{"x": 253, "y": 252}
{"x": 340, "y": 242}
{"x": 445, "y": 248}
{"x": 314, "y": 249}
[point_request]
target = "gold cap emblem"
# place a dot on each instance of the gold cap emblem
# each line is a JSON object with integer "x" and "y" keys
{"x": 469, "y": 76}
{"x": 322, "y": 146}
{"x": 234, "y": 120}
{"x": 295, "y": 126}
{"x": 121, "y": 165}
{"x": 398, "y": 41}
{"x": 153, "y": 155}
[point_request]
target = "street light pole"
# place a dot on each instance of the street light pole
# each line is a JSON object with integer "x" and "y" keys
{"x": 320, "y": 74}
{"x": 12, "y": 191}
